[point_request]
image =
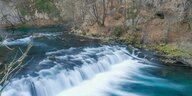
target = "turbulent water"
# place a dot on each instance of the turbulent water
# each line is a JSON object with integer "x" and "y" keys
{"x": 82, "y": 67}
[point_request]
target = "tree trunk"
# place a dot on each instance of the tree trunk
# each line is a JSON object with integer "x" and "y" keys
{"x": 104, "y": 13}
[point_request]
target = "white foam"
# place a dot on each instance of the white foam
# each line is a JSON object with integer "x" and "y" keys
{"x": 38, "y": 35}
{"x": 105, "y": 82}
{"x": 93, "y": 78}
{"x": 20, "y": 41}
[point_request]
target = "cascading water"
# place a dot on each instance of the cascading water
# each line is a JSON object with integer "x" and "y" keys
{"x": 67, "y": 65}
{"x": 85, "y": 65}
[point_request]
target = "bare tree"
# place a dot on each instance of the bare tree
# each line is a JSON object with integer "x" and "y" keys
{"x": 8, "y": 71}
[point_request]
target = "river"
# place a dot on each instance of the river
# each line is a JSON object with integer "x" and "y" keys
{"x": 62, "y": 64}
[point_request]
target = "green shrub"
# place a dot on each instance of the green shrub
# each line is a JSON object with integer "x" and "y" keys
{"x": 131, "y": 39}
{"x": 170, "y": 50}
{"x": 45, "y": 6}
{"x": 23, "y": 11}
{"x": 118, "y": 31}
{"x": 42, "y": 6}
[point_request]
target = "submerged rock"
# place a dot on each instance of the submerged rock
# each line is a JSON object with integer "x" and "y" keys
{"x": 52, "y": 57}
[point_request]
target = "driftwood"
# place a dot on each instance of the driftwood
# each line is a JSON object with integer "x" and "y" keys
{"x": 10, "y": 70}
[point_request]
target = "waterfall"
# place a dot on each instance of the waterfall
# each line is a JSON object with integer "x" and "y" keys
{"x": 72, "y": 69}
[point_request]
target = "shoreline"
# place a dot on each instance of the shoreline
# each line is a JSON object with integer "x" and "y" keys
{"x": 164, "y": 58}
{"x": 165, "y": 54}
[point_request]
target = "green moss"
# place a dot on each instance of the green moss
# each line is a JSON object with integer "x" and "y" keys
{"x": 23, "y": 10}
{"x": 42, "y": 6}
{"x": 132, "y": 39}
{"x": 118, "y": 31}
{"x": 46, "y": 6}
{"x": 170, "y": 50}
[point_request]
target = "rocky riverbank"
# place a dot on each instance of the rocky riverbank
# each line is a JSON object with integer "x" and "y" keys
{"x": 168, "y": 54}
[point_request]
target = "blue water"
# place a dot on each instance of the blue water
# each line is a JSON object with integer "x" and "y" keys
{"x": 67, "y": 65}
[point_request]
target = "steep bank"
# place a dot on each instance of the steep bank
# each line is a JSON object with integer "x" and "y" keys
{"x": 161, "y": 26}
{"x": 28, "y": 13}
